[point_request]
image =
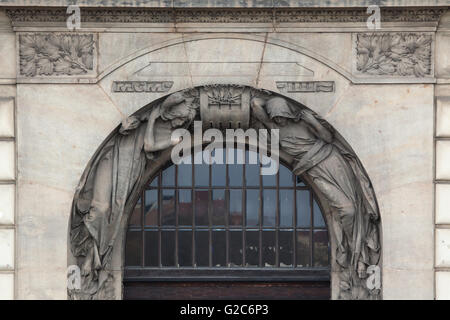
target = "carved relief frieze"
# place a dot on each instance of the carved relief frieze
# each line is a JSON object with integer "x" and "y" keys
{"x": 221, "y": 15}
{"x": 305, "y": 86}
{"x": 401, "y": 54}
{"x": 56, "y": 54}
{"x": 141, "y": 86}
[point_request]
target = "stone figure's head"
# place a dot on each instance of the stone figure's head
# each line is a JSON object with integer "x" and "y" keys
{"x": 279, "y": 111}
{"x": 178, "y": 110}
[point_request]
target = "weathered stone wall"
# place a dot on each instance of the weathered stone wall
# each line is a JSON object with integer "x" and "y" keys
{"x": 387, "y": 114}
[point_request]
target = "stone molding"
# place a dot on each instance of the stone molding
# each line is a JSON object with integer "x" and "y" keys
{"x": 224, "y": 15}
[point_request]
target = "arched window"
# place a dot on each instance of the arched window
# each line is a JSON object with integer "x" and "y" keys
{"x": 222, "y": 220}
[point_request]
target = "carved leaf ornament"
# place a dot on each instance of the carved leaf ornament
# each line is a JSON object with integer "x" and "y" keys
{"x": 394, "y": 54}
{"x": 56, "y": 54}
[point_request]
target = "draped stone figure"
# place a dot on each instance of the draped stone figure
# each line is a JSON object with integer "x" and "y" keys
{"x": 339, "y": 176}
{"x": 113, "y": 176}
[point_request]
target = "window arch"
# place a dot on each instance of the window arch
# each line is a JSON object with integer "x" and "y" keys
{"x": 225, "y": 217}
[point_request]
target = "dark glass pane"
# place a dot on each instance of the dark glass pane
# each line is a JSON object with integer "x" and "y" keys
{"x": 300, "y": 182}
{"x": 251, "y": 170}
{"x": 202, "y": 248}
{"x": 303, "y": 209}
{"x": 321, "y": 248}
{"x": 218, "y": 171}
{"x": 269, "y": 248}
{"x": 268, "y": 180}
{"x": 318, "y": 217}
{"x": 168, "y": 176}
{"x": 303, "y": 249}
{"x": 154, "y": 182}
{"x": 135, "y": 218}
{"x": 235, "y": 207}
{"x": 286, "y": 177}
{"x": 185, "y": 248}
{"x": 236, "y": 248}
{"x": 168, "y": 208}
{"x": 269, "y": 207}
{"x": 286, "y": 240}
{"x": 201, "y": 175}
{"x": 201, "y": 207}
{"x": 133, "y": 250}
{"x": 151, "y": 208}
{"x": 286, "y": 208}
{"x": 185, "y": 207}
{"x": 168, "y": 248}
{"x": 235, "y": 174}
{"x": 151, "y": 248}
{"x": 252, "y": 248}
{"x": 185, "y": 175}
{"x": 253, "y": 202}
{"x": 219, "y": 208}
{"x": 219, "y": 248}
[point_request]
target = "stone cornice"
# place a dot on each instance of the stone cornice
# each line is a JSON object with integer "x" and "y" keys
{"x": 222, "y": 15}
{"x": 225, "y": 3}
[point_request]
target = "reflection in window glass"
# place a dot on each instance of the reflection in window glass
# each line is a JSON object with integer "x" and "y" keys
{"x": 219, "y": 208}
{"x": 235, "y": 172}
{"x": 268, "y": 248}
{"x": 168, "y": 207}
{"x": 268, "y": 180}
{"x": 133, "y": 249}
{"x": 286, "y": 208}
{"x": 135, "y": 218}
{"x": 236, "y": 248}
{"x": 223, "y": 221}
{"x": 184, "y": 175}
{"x": 270, "y": 207}
{"x": 185, "y": 207}
{"x": 201, "y": 207}
{"x": 235, "y": 207}
{"x": 219, "y": 248}
{"x": 252, "y": 248}
{"x": 286, "y": 249}
{"x": 185, "y": 248}
{"x": 151, "y": 208}
{"x": 321, "y": 248}
{"x": 251, "y": 171}
{"x": 202, "y": 248}
{"x": 303, "y": 209}
{"x": 252, "y": 209}
{"x": 151, "y": 248}
{"x": 168, "y": 249}
{"x": 201, "y": 175}
{"x": 318, "y": 218}
{"x": 168, "y": 177}
{"x": 303, "y": 249}
{"x": 219, "y": 172}
{"x": 286, "y": 177}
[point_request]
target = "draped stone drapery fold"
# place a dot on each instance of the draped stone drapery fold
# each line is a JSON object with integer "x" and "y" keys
{"x": 98, "y": 207}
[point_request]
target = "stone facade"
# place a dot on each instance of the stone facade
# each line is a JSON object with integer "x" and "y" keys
{"x": 62, "y": 93}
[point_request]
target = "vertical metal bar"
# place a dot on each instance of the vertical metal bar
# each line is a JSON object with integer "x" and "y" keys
{"x": 244, "y": 188}
{"x": 311, "y": 227}
{"x": 210, "y": 216}
{"x": 143, "y": 227}
{"x": 227, "y": 210}
{"x": 159, "y": 219}
{"x": 176, "y": 215}
{"x": 261, "y": 218}
{"x": 277, "y": 223}
{"x": 294, "y": 259}
{"x": 193, "y": 209}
